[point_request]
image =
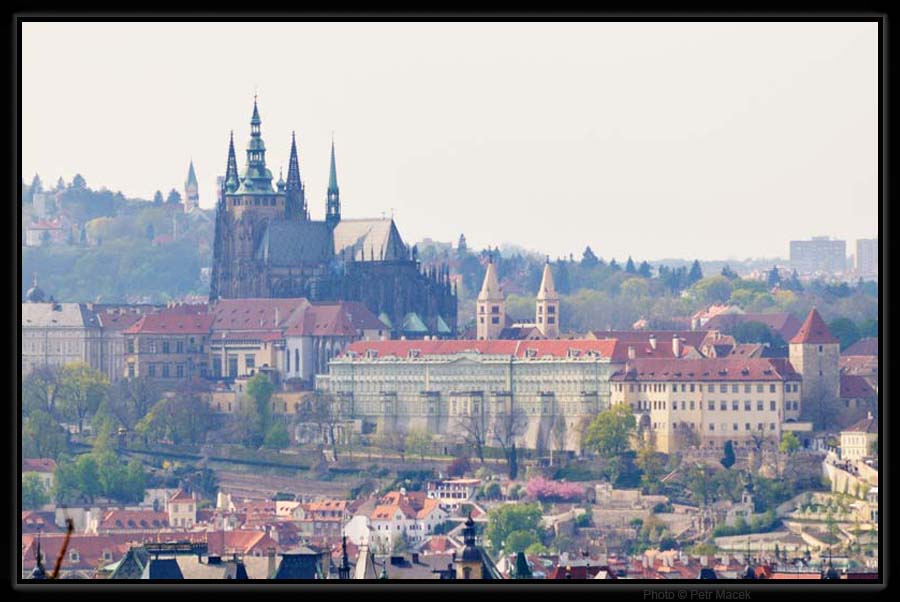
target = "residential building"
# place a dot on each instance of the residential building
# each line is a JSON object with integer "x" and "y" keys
{"x": 182, "y": 509}
{"x": 452, "y": 493}
{"x": 708, "y": 401}
{"x": 867, "y": 257}
{"x": 821, "y": 255}
{"x": 170, "y": 346}
{"x": 44, "y": 468}
{"x": 858, "y": 439}
{"x": 55, "y": 334}
{"x": 397, "y": 514}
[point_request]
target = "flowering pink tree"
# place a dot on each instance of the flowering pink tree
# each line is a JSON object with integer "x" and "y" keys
{"x": 547, "y": 490}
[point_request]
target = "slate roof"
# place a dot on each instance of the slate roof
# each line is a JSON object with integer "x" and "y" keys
{"x": 162, "y": 568}
{"x": 301, "y": 563}
{"x": 290, "y": 243}
{"x": 784, "y": 323}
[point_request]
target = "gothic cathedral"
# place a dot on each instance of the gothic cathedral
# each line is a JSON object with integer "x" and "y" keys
{"x": 267, "y": 246}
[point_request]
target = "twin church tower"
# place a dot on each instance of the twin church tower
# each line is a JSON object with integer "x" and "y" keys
{"x": 267, "y": 246}
{"x": 491, "y": 321}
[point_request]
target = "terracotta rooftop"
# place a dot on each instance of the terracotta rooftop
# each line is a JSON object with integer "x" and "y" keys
{"x": 854, "y": 386}
{"x": 38, "y": 465}
{"x": 814, "y": 331}
{"x": 171, "y": 322}
{"x": 724, "y": 369}
{"x": 867, "y": 346}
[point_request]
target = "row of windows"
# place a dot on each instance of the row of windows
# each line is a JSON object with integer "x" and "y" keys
{"x": 711, "y": 388}
{"x": 712, "y": 427}
{"x": 264, "y": 202}
{"x": 165, "y": 370}
{"x": 748, "y": 406}
{"x": 166, "y": 347}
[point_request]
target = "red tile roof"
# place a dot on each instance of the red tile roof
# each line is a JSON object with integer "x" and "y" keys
{"x": 864, "y": 365}
{"x": 869, "y": 424}
{"x": 865, "y": 347}
{"x": 171, "y": 322}
{"x": 719, "y": 369}
{"x": 134, "y": 519}
{"x": 854, "y": 386}
{"x": 345, "y": 318}
{"x": 814, "y": 331}
{"x": 689, "y": 337}
{"x": 510, "y": 348}
{"x": 88, "y": 550}
{"x": 38, "y": 465}
{"x": 784, "y": 323}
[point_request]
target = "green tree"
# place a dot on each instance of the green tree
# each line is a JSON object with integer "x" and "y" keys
{"x": 260, "y": 390}
{"x": 33, "y": 493}
{"x": 651, "y": 464}
{"x": 174, "y": 197}
{"x": 696, "y": 273}
{"x": 81, "y": 390}
{"x": 519, "y": 541}
{"x": 88, "y": 476}
{"x": 609, "y": 433}
{"x": 727, "y": 272}
{"x": 78, "y": 182}
{"x": 40, "y": 391}
{"x": 644, "y": 271}
{"x": 588, "y": 258}
{"x": 789, "y": 443}
{"x": 42, "y": 436}
{"x": 418, "y": 442}
{"x": 158, "y": 198}
{"x": 277, "y": 436}
{"x": 509, "y": 518}
{"x": 715, "y": 289}
{"x": 728, "y": 459}
{"x": 629, "y": 266}
{"x": 845, "y": 330}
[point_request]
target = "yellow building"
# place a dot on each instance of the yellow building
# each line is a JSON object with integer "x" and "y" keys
{"x": 857, "y": 440}
{"x": 686, "y": 402}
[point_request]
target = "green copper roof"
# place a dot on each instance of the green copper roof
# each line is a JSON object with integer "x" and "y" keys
{"x": 332, "y": 176}
{"x": 442, "y": 326}
{"x": 413, "y": 323}
{"x": 384, "y": 318}
{"x": 255, "y": 118}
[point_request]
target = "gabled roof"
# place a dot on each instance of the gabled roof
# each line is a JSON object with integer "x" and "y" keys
{"x": 863, "y": 347}
{"x": 814, "y": 331}
{"x": 854, "y": 386}
{"x": 162, "y": 568}
{"x": 38, "y": 465}
{"x": 869, "y": 424}
{"x": 65, "y": 315}
{"x": 368, "y": 239}
{"x": 289, "y": 243}
{"x": 413, "y": 323}
{"x": 719, "y": 369}
{"x": 168, "y": 322}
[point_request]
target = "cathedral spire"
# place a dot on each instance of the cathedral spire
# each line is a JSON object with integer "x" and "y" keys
{"x": 333, "y": 204}
{"x": 258, "y": 179}
{"x": 296, "y": 194}
{"x": 231, "y": 172}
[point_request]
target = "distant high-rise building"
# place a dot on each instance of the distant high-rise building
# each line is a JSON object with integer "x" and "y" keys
{"x": 867, "y": 257}
{"x": 821, "y": 254}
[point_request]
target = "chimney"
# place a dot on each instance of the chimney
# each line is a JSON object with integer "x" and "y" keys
{"x": 276, "y": 316}
{"x": 631, "y": 352}
{"x": 415, "y": 558}
{"x": 676, "y": 346}
{"x": 653, "y": 342}
{"x": 271, "y": 563}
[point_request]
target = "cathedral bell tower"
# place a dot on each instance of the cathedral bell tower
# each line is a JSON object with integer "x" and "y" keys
{"x": 547, "y": 307}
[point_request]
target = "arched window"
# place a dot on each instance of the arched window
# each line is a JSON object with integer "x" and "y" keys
{"x": 297, "y": 360}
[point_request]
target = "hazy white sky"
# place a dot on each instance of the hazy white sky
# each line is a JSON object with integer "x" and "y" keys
{"x": 708, "y": 140}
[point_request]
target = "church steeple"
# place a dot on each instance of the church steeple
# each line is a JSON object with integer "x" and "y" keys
{"x": 547, "y": 305}
{"x": 333, "y": 205}
{"x": 296, "y": 193}
{"x": 257, "y": 179}
{"x": 491, "y": 306}
{"x": 232, "y": 180}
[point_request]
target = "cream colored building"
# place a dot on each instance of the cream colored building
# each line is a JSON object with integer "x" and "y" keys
{"x": 55, "y": 334}
{"x": 816, "y": 355}
{"x": 857, "y": 440}
{"x": 443, "y": 386}
{"x": 547, "y": 307}
{"x": 680, "y": 403}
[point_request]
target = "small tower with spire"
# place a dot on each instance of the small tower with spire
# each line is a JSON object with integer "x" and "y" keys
{"x": 490, "y": 316}
{"x": 295, "y": 204}
{"x": 232, "y": 180}
{"x": 191, "y": 194}
{"x": 546, "y": 315}
{"x": 333, "y": 199}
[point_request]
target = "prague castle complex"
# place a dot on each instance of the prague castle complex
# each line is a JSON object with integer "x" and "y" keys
{"x": 267, "y": 246}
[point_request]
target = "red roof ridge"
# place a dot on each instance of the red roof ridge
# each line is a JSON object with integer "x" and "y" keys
{"x": 814, "y": 331}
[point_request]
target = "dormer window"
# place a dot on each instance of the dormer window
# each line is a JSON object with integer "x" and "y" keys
{"x": 73, "y": 556}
